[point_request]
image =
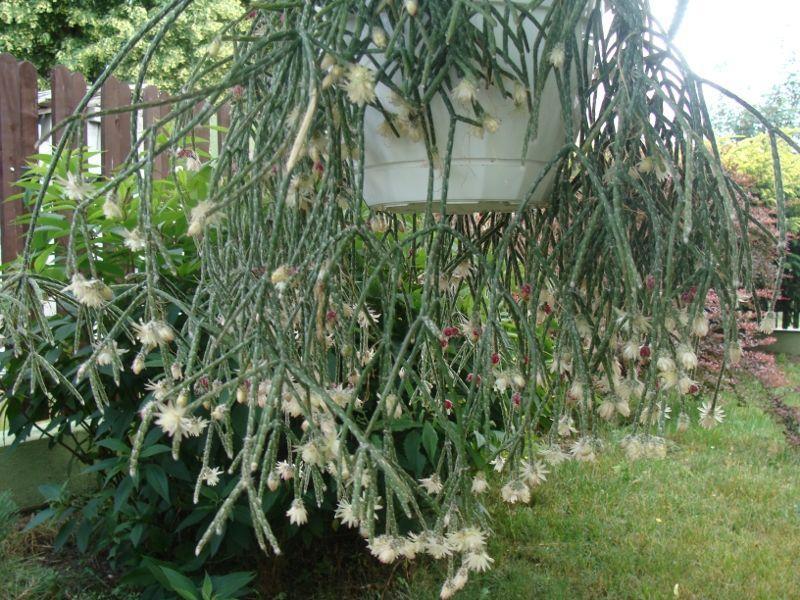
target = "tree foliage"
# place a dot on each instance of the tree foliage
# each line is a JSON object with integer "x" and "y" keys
{"x": 751, "y": 159}
{"x": 85, "y": 34}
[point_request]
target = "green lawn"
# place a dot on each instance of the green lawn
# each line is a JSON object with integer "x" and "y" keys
{"x": 719, "y": 518}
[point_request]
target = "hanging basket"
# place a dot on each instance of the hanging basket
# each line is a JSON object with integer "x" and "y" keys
{"x": 487, "y": 173}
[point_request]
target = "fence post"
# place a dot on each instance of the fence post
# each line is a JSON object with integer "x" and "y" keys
{"x": 115, "y": 129}
{"x": 17, "y": 141}
{"x": 150, "y": 117}
{"x": 68, "y": 90}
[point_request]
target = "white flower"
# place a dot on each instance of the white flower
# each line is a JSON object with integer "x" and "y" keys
{"x": 360, "y": 85}
{"x": 411, "y": 7}
{"x": 669, "y": 379}
{"x": 108, "y": 353}
{"x": 557, "y": 56}
{"x": 134, "y": 240}
{"x": 583, "y": 450}
{"x": 432, "y": 485}
{"x": 479, "y": 483}
{"x": 566, "y": 426}
{"x": 478, "y": 561}
{"x": 652, "y": 414}
{"x": 554, "y": 455}
{"x": 344, "y": 512}
{"x": 630, "y": 351}
{"x": 273, "y": 481}
{"x": 700, "y": 325}
{"x": 159, "y": 388}
{"x": 498, "y": 463}
{"x": 465, "y": 92}
{"x": 75, "y": 187}
{"x": 195, "y": 426}
{"x": 201, "y": 216}
{"x": 311, "y": 454}
{"x": 735, "y": 353}
{"x": 516, "y": 491}
{"x": 138, "y": 364}
{"x": 219, "y": 412}
{"x": 665, "y": 363}
{"x": 460, "y": 579}
{"x": 607, "y": 409}
{"x": 172, "y": 419}
{"x": 297, "y": 513}
{"x": 386, "y": 548}
{"x": 767, "y": 324}
{"x": 379, "y": 37}
{"x": 623, "y": 407}
{"x": 436, "y": 546}
{"x": 111, "y": 209}
{"x": 412, "y": 545}
{"x": 711, "y": 415}
{"x": 468, "y": 539}
{"x": 533, "y": 473}
{"x": 285, "y": 470}
{"x": 176, "y": 370}
{"x": 686, "y": 357}
{"x": 90, "y": 292}
{"x": 211, "y": 476}
{"x": 153, "y": 332}
{"x": 490, "y": 124}
{"x": 646, "y": 165}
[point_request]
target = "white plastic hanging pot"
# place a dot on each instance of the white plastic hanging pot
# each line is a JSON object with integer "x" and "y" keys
{"x": 486, "y": 174}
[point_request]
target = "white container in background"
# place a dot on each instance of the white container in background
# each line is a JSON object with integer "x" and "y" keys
{"x": 487, "y": 174}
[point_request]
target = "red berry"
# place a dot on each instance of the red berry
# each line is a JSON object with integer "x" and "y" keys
{"x": 469, "y": 377}
{"x": 443, "y": 343}
{"x": 650, "y": 282}
{"x": 694, "y": 388}
{"x": 448, "y": 405}
{"x": 450, "y": 331}
{"x": 644, "y": 351}
{"x": 495, "y": 358}
{"x": 546, "y": 308}
{"x": 516, "y": 398}
{"x": 525, "y": 291}
{"x": 331, "y": 315}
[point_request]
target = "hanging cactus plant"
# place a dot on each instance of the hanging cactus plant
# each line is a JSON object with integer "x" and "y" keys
{"x": 412, "y": 365}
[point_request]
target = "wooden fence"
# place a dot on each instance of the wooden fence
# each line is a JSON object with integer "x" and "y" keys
{"x": 27, "y": 116}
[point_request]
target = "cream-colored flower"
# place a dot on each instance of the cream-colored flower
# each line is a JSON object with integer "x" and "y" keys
{"x": 153, "y": 332}
{"x": 711, "y": 415}
{"x": 557, "y": 56}
{"x": 468, "y": 539}
{"x": 111, "y": 208}
{"x": 479, "y": 483}
{"x": 436, "y": 546}
{"x": 285, "y": 469}
{"x": 346, "y": 514}
{"x": 386, "y": 548}
{"x": 432, "y": 485}
{"x": 516, "y": 491}
{"x": 134, "y": 240}
{"x": 360, "y": 86}
{"x": 566, "y": 426}
{"x": 533, "y": 473}
{"x": 75, "y": 187}
{"x": 553, "y": 455}
{"x": 108, "y": 353}
{"x": 379, "y": 37}
{"x": 583, "y": 450}
{"x": 683, "y": 422}
{"x": 490, "y": 124}
{"x": 211, "y": 475}
{"x": 172, "y": 419}
{"x": 607, "y": 409}
{"x": 478, "y": 561}
{"x": 89, "y": 292}
{"x": 686, "y": 357}
{"x": 735, "y": 353}
{"x": 465, "y": 92}
{"x": 201, "y": 216}
{"x": 297, "y": 513}
{"x": 767, "y": 324}
{"x": 700, "y": 325}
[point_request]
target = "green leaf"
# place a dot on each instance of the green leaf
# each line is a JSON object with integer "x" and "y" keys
{"x": 122, "y": 493}
{"x": 208, "y": 588}
{"x": 232, "y": 585}
{"x": 180, "y": 584}
{"x": 39, "y": 518}
{"x": 157, "y": 478}
{"x": 430, "y": 440}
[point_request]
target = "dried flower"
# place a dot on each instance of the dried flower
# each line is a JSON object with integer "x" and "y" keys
{"x": 379, "y": 37}
{"x": 111, "y": 208}
{"x": 432, "y": 485}
{"x": 478, "y": 561}
{"x": 202, "y": 216}
{"x": 557, "y": 56}
{"x": 479, "y": 483}
{"x": 516, "y": 491}
{"x": 533, "y": 473}
{"x": 134, "y": 240}
{"x": 89, "y": 292}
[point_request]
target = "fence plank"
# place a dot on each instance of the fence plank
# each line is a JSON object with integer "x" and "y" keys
{"x": 68, "y": 89}
{"x": 201, "y": 134}
{"x": 223, "y": 120}
{"x": 150, "y": 117}
{"x": 11, "y": 157}
{"x": 115, "y": 129}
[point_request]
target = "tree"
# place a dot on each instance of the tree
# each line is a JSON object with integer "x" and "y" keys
{"x": 781, "y": 106}
{"x": 85, "y": 34}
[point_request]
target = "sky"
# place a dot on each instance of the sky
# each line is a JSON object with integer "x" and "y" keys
{"x": 735, "y": 44}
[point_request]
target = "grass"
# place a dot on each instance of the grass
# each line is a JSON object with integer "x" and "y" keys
{"x": 718, "y": 518}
